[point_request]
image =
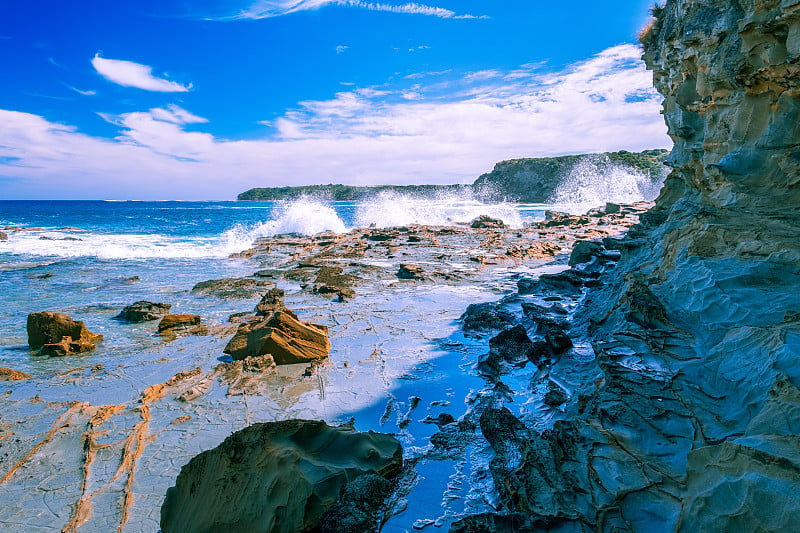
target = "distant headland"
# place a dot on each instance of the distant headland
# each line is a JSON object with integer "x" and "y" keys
{"x": 527, "y": 180}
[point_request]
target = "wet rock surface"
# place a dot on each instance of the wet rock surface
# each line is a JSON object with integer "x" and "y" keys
{"x": 144, "y": 311}
{"x": 233, "y": 288}
{"x": 284, "y": 337}
{"x": 282, "y": 477}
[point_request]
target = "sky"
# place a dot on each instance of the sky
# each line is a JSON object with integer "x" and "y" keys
{"x": 201, "y": 100}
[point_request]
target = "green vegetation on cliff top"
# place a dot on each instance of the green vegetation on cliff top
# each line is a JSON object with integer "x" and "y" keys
{"x": 522, "y": 180}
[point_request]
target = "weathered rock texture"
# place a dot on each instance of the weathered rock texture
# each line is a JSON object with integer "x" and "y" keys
{"x": 277, "y": 477}
{"x": 143, "y": 311}
{"x": 58, "y": 334}
{"x": 284, "y": 337}
{"x": 690, "y": 422}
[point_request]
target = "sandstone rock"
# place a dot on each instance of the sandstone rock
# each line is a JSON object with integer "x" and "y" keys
{"x": 182, "y": 324}
{"x": 278, "y": 477}
{"x": 8, "y": 374}
{"x": 233, "y": 288}
{"x": 58, "y": 334}
{"x": 144, "y": 311}
{"x": 283, "y": 336}
{"x": 487, "y": 222}
{"x": 511, "y": 345}
{"x": 409, "y": 271}
{"x": 3, "y": 236}
{"x": 332, "y": 280}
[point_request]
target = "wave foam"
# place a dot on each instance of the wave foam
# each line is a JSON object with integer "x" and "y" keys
{"x": 391, "y": 209}
{"x": 595, "y": 180}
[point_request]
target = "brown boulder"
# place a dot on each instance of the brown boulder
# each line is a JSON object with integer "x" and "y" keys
{"x": 3, "y": 236}
{"x": 410, "y": 271}
{"x": 143, "y": 311}
{"x": 282, "y": 335}
{"x": 182, "y": 324}
{"x": 270, "y": 303}
{"x": 58, "y": 334}
{"x": 487, "y": 222}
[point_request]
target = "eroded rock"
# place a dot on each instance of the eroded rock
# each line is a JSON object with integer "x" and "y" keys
{"x": 58, "y": 334}
{"x": 8, "y": 374}
{"x": 185, "y": 324}
{"x": 278, "y": 477}
{"x": 283, "y": 336}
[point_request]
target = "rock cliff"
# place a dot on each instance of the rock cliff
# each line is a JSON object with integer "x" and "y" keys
{"x": 684, "y": 415}
{"x": 529, "y": 180}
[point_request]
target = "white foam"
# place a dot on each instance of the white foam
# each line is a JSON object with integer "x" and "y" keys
{"x": 595, "y": 180}
{"x": 114, "y": 246}
{"x": 391, "y": 209}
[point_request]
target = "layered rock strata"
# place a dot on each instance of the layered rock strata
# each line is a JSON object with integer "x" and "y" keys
{"x": 685, "y": 415}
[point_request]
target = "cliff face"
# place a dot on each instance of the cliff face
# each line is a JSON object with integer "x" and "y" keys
{"x": 686, "y": 415}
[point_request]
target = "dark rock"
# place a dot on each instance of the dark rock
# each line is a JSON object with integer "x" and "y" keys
{"x": 233, "y": 288}
{"x": 280, "y": 477}
{"x": 540, "y": 353}
{"x": 491, "y": 523}
{"x": 487, "y": 222}
{"x": 360, "y": 507}
{"x": 144, "y": 311}
{"x": 583, "y": 251}
{"x": 511, "y": 345}
{"x": 409, "y": 271}
{"x": 612, "y": 208}
{"x": 553, "y": 316}
{"x": 527, "y": 286}
{"x": 58, "y": 334}
{"x": 271, "y": 302}
{"x": 557, "y": 340}
{"x": 555, "y": 395}
{"x": 382, "y": 235}
{"x": 331, "y": 280}
{"x": 485, "y": 317}
{"x": 283, "y": 336}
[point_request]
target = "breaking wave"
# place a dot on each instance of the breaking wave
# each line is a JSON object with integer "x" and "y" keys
{"x": 595, "y": 180}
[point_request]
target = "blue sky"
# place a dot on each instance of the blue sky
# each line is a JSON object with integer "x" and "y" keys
{"x": 181, "y": 99}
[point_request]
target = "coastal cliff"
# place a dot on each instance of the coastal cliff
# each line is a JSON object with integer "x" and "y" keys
{"x": 528, "y": 180}
{"x": 687, "y": 415}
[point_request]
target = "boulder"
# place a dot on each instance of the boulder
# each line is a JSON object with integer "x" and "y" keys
{"x": 144, "y": 311}
{"x": 283, "y": 336}
{"x": 278, "y": 477}
{"x": 487, "y": 222}
{"x": 233, "y": 288}
{"x": 409, "y": 271}
{"x": 3, "y": 236}
{"x": 182, "y": 324}
{"x": 58, "y": 334}
{"x": 583, "y": 251}
{"x": 511, "y": 345}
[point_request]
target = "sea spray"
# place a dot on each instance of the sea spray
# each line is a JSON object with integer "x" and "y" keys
{"x": 391, "y": 209}
{"x": 595, "y": 180}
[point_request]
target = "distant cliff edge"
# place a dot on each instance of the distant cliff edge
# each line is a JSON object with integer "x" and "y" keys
{"x": 529, "y": 180}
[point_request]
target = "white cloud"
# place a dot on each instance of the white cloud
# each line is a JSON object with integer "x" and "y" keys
{"x": 275, "y": 8}
{"x": 130, "y": 74}
{"x": 341, "y": 49}
{"x": 415, "y": 133}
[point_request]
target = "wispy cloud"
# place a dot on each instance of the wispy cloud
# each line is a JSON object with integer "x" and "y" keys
{"x": 130, "y": 74}
{"x": 341, "y": 49}
{"x": 262, "y": 9}
{"x": 79, "y": 91}
{"x": 450, "y": 129}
